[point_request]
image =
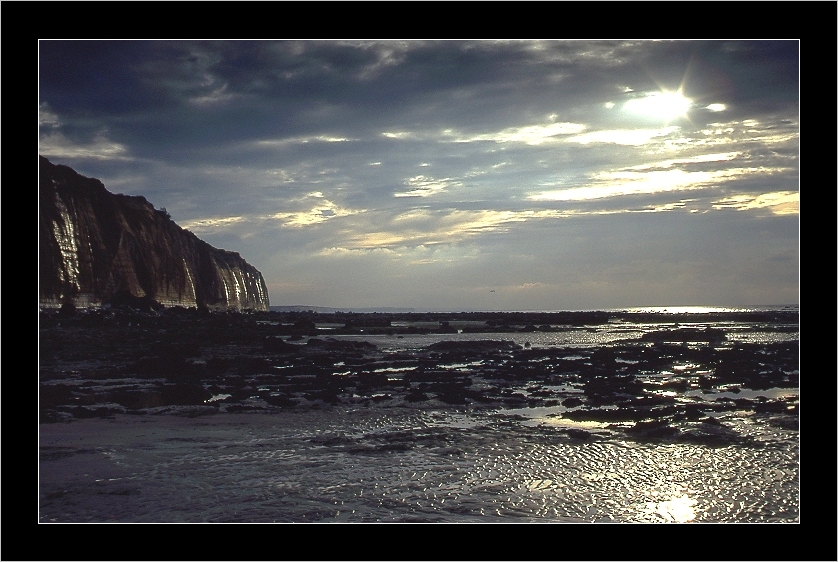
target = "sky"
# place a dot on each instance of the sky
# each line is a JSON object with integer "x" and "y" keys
{"x": 451, "y": 174}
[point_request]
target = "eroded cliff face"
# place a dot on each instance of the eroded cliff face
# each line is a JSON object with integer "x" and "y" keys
{"x": 99, "y": 248}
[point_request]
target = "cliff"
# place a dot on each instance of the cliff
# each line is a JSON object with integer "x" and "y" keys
{"x": 100, "y": 248}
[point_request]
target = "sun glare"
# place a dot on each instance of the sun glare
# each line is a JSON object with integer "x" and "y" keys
{"x": 664, "y": 105}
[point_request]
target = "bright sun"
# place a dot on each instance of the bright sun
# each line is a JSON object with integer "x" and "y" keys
{"x": 665, "y": 105}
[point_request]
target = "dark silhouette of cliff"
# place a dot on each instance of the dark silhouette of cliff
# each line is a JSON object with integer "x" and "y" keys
{"x": 100, "y": 248}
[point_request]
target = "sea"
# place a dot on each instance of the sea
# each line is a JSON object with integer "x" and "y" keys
{"x": 427, "y": 462}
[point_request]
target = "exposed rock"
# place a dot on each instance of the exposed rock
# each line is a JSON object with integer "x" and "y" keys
{"x": 711, "y": 335}
{"x": 580, "y": 434}
{"x": 103, "y": 362}
{"x": 99, "y": 248}
{"x": 416, "y": 395}
{"x": 276, "y": 344}
{"x": 653, "y": 429}
{"x": 572, "y": 402}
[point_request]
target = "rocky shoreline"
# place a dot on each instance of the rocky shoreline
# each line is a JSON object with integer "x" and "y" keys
{"x": 673, "y": 383}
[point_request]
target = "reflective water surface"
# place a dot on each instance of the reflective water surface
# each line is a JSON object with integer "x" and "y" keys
{"x": 403, "y": 464}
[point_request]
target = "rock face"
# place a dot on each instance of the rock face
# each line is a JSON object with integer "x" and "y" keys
{"x": 99, "y": 248}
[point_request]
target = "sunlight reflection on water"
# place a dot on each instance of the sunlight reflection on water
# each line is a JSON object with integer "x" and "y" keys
{"x": 582, "y": 338}
{"x": 400, "y": 466}
{"x": 678, "y": 509}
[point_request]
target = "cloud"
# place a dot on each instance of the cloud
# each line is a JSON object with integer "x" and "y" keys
{"x": 323, "y": 211}
{"x": 623, "y": 183}
{"x": 530, "y": 134}
{"x": 399, "y": 135}
{"x": 56, "y": 145}
{"x": 779, "y": 203}
{"x": 427, "y": 227}
{"x": 696, "y": 159}
{"x": 217, "y": 96}
{"x": 211, "y": 224}
{"x": 423, "y": 186}
{"x": 384, "y": 54}
{"x": 186, "y": 72}
{"x": 631, "y": 137}
{"x": 280, "y": 143}
{"x": 47, "y": 118}
{"x": 533, "y": 135}
{"x": 338, "y": 252}
{"x": 750, "y": 131}
{"x": 53, "y": 143}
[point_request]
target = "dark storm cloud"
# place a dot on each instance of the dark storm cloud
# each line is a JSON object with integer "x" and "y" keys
{"x": 90, "y": 78}
{"x": 278, "y": 88}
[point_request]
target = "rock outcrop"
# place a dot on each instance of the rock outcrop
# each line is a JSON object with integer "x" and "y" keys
{"x": 98, "y": 248}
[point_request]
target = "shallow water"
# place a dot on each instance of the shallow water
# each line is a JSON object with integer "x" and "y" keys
{"x": 581, "y": 338}
{"x": 402, "y": 464}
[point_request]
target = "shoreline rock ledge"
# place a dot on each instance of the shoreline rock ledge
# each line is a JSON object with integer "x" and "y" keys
{"x": 97, "y": 248}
